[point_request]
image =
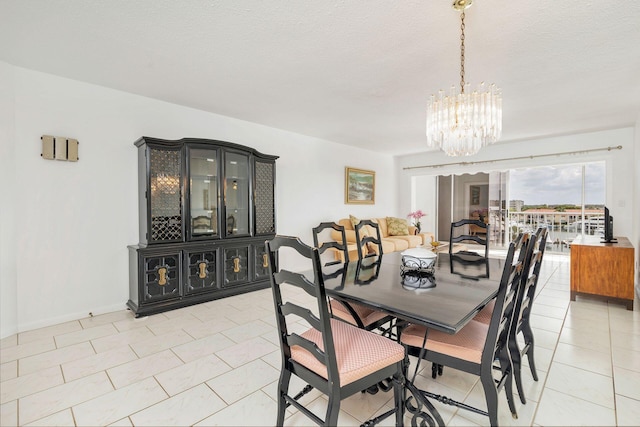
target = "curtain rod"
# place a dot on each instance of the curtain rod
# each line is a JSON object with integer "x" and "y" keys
{"x": 618, "y": 147}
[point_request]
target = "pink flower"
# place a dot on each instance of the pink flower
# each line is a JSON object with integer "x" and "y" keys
{"x": 417, "y": 214}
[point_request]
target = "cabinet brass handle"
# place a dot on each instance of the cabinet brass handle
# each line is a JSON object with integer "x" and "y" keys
{"x": 265, "y": 260}
{"x": 203, "y": 270}
{"x": 162, "y": 272}
{"x": 236, "y": 265}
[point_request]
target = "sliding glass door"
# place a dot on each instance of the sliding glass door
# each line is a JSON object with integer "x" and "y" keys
{"x": 566, "y": 199}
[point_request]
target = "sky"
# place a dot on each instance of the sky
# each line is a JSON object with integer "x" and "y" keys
{"x": 553, "y": 185}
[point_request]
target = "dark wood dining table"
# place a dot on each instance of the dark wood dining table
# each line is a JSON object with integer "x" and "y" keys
{"x": 445, "y": 300}
{"x": 445, "y": 296}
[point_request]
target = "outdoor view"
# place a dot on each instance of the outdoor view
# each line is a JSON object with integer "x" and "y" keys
{"x": 552, "y": 196}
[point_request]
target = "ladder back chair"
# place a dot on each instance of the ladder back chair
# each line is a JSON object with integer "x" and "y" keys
{"x": 460, "y": 233}
{"x": 357, "y": 314}
{"x": 458, "y": 261}
{"x": 368, "y": 245}
{"x": 522, "y": 240}
{"x": 477, "y": 347}
{"x": 520, "y": 324}
{"x": 335, "y": 246}
{"x": 332, "y": 356}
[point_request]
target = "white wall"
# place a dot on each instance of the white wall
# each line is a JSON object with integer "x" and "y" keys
{"x": 423, "y": 197}
{"x": 8, "y": 288}
{"x": 64, "y": 253}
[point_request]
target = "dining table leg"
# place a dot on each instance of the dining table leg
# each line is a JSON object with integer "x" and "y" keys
{"x": 422, "y": 412}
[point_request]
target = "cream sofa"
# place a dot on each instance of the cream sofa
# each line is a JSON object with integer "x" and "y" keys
{"x": 389, "y": 243}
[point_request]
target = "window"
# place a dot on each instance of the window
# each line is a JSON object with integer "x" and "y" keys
{"x": 567, "y": 199}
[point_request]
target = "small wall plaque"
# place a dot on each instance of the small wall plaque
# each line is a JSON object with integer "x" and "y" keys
{"x": 59, "y": 148}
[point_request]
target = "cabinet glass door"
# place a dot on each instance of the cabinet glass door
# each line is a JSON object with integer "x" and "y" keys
{"x": 203, "y": 192}
{"x": 236, "y": 194}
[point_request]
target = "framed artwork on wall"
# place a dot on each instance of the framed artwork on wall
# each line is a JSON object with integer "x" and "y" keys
{"x": 359, "y": 186}
{"x": 474, "y": 195}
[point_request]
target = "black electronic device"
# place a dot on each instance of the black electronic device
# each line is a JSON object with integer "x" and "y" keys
{"x": 608, "y": 227}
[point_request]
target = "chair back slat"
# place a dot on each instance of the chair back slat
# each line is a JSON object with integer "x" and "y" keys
{"x": 297, "y": 279}
{"x": 364, "y": 239}
{"x": 339, "y": 244}
{"x": 458, "y": 236}
{"x": 304, "y": 313}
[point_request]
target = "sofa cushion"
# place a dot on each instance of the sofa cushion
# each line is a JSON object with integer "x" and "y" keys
{"x": 346, "y": 223}
{"x": 354, "y": 221}
{"x": 397, "y": 226}
{"x": 399, "y": 244}
{"x": 412, "y": 241}
{"x": 382, "y": 226}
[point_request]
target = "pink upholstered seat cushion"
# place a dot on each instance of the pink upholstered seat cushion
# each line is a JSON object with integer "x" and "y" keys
{"x": 484, "y": 316}
{"x": 467, "y": 344}
{"x": 358, "y": 352}
{"x": 366, "y": 314}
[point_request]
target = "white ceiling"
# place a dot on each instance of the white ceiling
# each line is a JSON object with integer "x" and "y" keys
{"x": 356, "y": 72}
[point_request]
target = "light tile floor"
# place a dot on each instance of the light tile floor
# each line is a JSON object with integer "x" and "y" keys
{"x": 218, "y": 363}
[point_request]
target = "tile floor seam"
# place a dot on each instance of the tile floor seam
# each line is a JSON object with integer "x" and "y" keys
{"x": 217, "y": 395}
{"x": 613, "y": 372}
{"x": 150, "y": 405}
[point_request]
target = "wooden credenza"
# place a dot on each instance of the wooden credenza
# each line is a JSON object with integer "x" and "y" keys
{"x": 602, "y": 269}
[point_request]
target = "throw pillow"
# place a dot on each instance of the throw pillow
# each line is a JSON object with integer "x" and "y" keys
{"x": 354, "y": 220}
{"x": 397, "y": 226}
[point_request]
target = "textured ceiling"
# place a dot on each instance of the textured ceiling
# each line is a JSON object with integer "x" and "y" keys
{"x": 351, "y": 71}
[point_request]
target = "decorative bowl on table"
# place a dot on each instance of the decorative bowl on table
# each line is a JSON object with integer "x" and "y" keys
{"x": 435, "y": 244}
{"x": 418, "y": 259}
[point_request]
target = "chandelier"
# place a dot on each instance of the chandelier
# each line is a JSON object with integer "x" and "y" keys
{"x": 460, "y": 124}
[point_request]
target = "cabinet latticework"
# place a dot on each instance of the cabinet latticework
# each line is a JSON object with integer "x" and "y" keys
{"x": 166, "y": 215}
{"x": 265, "y": 218}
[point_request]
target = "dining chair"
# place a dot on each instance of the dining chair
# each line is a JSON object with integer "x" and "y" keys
{"x": 336, "y": 246}
{"x": 522, "y": 240}
{"x": 359, "y": 315}
{"x": 368, "y": 244}
{"x": 522, "y": 311}
{"x": 469, "y": 265}
{"x": 477, "y": 347}
{"x": 460, "y": 233}
{"x": 332, "y": 356}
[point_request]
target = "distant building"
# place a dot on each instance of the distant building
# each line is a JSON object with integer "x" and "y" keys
{"x": 516, "y": 205}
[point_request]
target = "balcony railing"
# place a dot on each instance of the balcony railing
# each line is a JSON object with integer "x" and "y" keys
{"x": 563, "y": 226}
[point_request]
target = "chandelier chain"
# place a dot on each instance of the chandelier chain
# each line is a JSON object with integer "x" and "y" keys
{"x": 462, "y": 52}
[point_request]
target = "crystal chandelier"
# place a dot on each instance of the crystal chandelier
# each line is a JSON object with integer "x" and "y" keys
{"x": 460, "y": 124}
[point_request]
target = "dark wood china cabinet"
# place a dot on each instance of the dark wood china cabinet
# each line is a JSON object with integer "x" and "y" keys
{"x": 206, "y": 208}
